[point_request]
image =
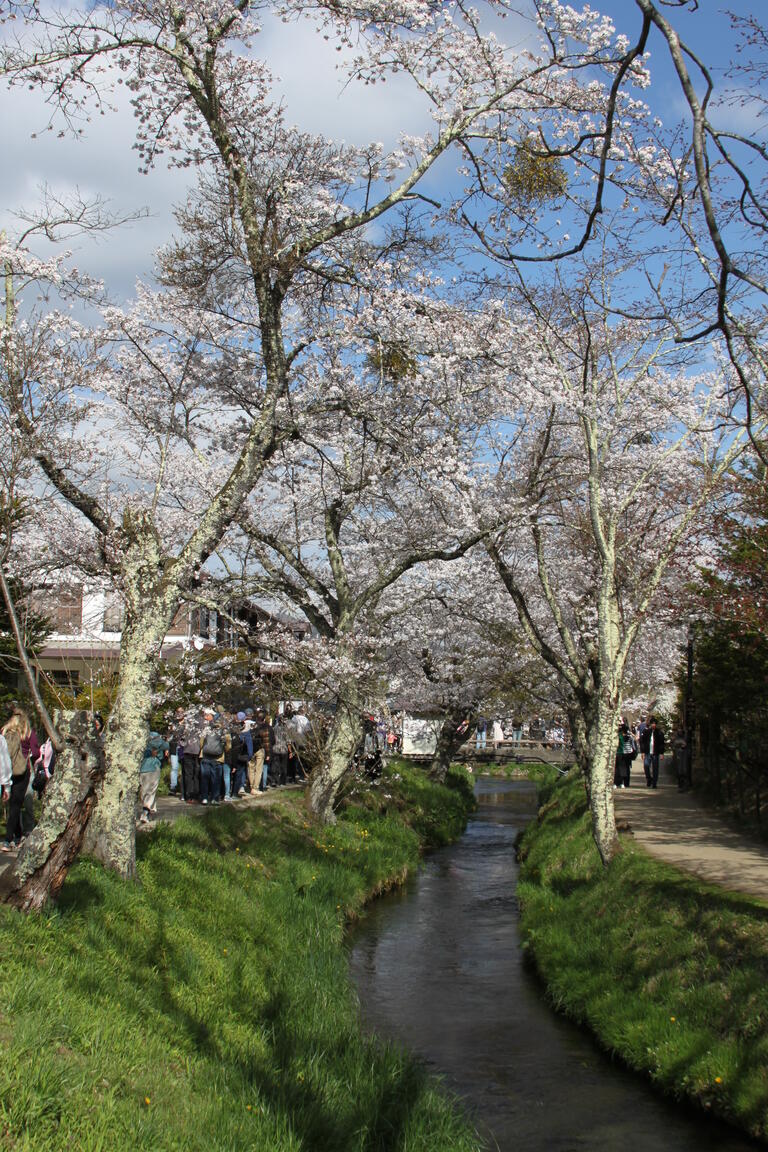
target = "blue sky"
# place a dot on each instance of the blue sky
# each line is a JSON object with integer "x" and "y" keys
{"x": 314, "y": 97}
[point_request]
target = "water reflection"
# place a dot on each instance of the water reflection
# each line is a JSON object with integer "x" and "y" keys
{"x": 439, "y": 968}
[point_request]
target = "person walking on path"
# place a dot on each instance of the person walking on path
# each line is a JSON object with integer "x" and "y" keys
{"x": 481, "y": 733}
{"x": 652, "y": 747}
{"x": 624, "y": 754}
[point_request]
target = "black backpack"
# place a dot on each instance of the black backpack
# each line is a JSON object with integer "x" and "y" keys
{"x": 213, "y": 746}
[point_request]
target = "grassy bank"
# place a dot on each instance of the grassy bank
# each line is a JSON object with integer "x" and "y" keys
{"x": 539, "y": 772}
{"x": 670, "y": 974}
{"x": 208, "y": 1006}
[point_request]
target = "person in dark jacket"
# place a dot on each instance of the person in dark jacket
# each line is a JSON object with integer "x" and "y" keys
{"x": 652, "y": 745}
{"x": 280, "y": 751}
{"x": 190, "y": 736}
{"x": 242, "y": 753}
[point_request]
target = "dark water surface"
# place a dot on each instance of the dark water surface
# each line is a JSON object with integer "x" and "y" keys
{"x": 438, "y": 967}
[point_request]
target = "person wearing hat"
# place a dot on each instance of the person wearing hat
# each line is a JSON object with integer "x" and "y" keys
{"x": 212, "y": 755}
{"x": 242, "y": 752}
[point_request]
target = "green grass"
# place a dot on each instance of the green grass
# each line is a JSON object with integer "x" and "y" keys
{"x": 208, "y": 1006}
{"x": 669, "y": 973}
{"x": 540, "y": 772}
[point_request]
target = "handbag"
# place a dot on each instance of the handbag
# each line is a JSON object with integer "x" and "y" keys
{"x": 39, "y": 780}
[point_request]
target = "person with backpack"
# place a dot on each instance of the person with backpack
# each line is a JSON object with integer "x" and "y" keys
{"x": 280, "y": 751}
{"x": 262, "y": 757}
{"x": 43, "y": 768}
{"x": 231, "y": 734}
{"x": 242, "y": 752}
{"x": 212, "y": 753}
{"x": 190, "y": 758}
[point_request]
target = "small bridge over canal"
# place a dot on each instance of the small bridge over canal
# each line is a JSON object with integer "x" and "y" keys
{"x": 509, "y": 752}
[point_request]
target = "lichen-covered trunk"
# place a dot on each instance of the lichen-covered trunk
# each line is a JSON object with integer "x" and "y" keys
{"x": 603, "y": 711}
{"x": 344, "y": 737}
{"x": 70, "y": 797}
{"x": 149, "y": 607}
{"x": 601, "y": 791}
{"x": 594, "y": 730}
{"x": 457, "y": 724}
{"x": 111, "y": 835}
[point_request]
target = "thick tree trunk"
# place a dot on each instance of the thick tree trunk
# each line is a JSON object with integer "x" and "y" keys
{"x": 111, "y": 835}
{"x": 450, "y": 740}
{"x": 345, "y": 735}
{"x": 602, "y": 743}
{"x": 594, "y": 732}
{"x": 150, "y": 605}
{"x": 52, "y": 847}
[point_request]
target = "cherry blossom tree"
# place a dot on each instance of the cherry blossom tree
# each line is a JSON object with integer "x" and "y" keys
{"x": 609, "y": 447}
{"x": 682, "y": 192}
{"x": 366, "y": 493}
{"x": 277, "y": 220}
{"x": 457, "y": 651}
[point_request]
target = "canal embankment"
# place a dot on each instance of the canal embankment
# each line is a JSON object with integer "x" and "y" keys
{"x": 208, "y": 1006}
{"x": 668, "y": 972}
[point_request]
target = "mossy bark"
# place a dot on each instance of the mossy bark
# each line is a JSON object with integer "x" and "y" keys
{"x": 150, "y": 605}
{"x": 344, "y": 737}
{"x": 70, "y": 799}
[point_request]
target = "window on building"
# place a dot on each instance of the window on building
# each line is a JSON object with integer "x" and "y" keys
{"x": 201, "y": 623}
{"x": 63, "y": 607}
{"x": 114, "y": 615}
{"x": 180, "y": 623}
{"x": 64, "y": 677}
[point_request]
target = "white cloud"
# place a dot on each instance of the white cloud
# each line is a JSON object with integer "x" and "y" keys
{"x": 104, "y": 162}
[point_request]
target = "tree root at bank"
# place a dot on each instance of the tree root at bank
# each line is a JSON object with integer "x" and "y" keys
{"x": 51, "y": 849}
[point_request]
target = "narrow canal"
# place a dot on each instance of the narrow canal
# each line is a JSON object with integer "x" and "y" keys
{"x": 438, "y": 968}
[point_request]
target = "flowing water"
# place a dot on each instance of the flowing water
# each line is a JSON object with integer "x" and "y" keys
{"x": 438, "y": 968}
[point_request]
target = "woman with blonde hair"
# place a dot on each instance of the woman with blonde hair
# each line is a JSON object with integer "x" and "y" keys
{"x": 23, "y": 747}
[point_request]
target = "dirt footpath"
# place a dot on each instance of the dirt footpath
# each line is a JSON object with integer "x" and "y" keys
{"x": 169, "y": 808}
{"x": 674, "y": 826}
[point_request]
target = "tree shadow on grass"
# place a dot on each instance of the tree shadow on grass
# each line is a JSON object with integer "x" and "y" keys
{"x": 166, "y": 984}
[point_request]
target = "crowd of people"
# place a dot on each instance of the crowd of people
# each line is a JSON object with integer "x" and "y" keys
{"x": 644, "y": 739}
{"x": 217, "y": 756}
{"x": 492, "y": 733}
{"x": 212, "y": 755}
